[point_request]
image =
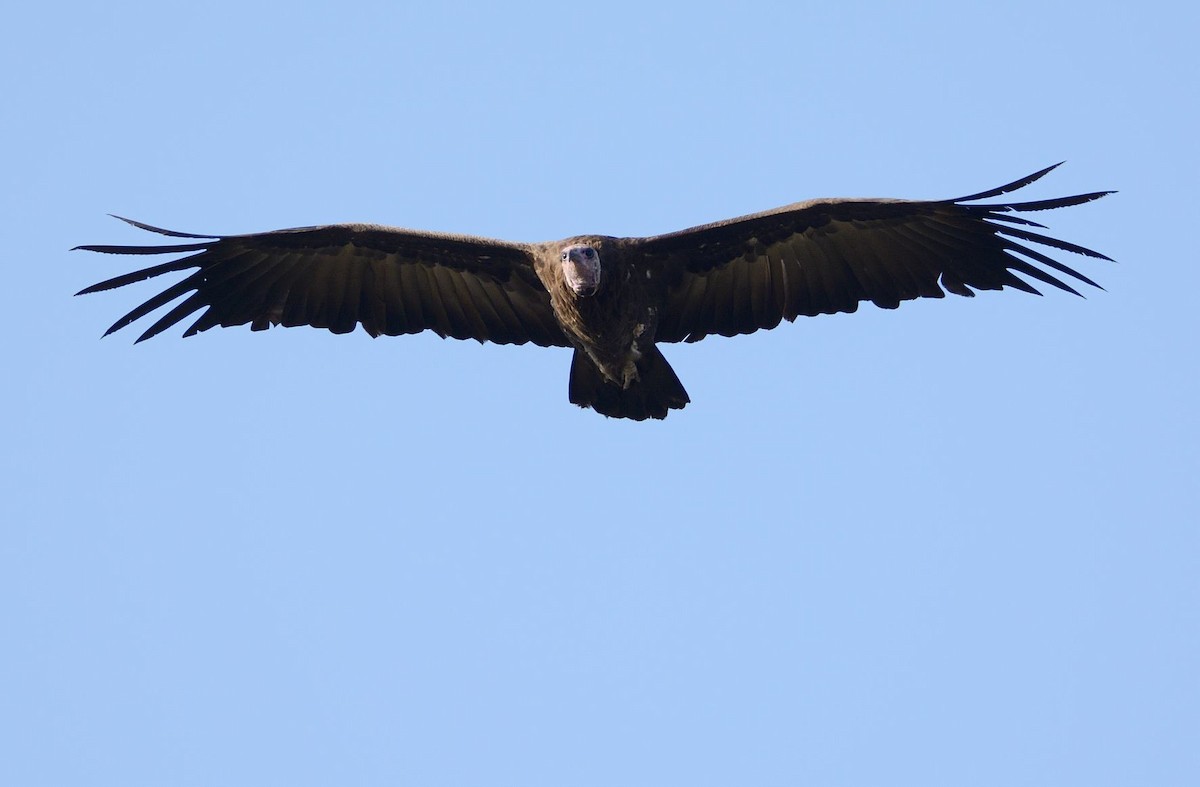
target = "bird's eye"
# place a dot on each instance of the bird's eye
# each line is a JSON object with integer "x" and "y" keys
{"x": 589, "y": 253}
{"x": 564, "y": 256}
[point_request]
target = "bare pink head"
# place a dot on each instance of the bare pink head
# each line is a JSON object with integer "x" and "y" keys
{"x": 581, "y": 269}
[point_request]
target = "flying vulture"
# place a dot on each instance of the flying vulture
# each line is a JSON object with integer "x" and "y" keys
{"x": 611, "y": 300}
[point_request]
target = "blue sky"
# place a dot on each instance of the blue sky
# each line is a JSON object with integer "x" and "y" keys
{"x": 950, "y": 544}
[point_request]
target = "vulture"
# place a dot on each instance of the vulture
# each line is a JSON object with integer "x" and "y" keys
{"x": 611, "y": 300}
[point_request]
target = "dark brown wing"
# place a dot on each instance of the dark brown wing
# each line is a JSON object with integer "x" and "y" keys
{"x": 827, "y": 256}
{"x": 391, "y": 281}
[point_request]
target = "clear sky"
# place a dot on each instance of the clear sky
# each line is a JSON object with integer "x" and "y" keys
{"x": 951, "y": 544}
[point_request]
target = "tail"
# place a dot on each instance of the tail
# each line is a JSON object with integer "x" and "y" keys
{"x": 657, "y": 391}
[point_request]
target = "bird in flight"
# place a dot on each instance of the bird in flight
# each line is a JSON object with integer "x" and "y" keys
{"x": 612, "y": 300}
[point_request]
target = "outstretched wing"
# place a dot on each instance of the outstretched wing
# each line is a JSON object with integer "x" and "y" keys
{"x": 827, "y": 256}
{"x": 391, "y": 281}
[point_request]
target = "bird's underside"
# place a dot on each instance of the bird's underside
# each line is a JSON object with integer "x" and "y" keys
{"x": 610, "y": 299}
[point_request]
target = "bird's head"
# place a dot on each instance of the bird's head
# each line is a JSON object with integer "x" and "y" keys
{"x": 581, "y": 268}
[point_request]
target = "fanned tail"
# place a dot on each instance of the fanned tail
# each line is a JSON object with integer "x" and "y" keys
{"x": 656, "y": 391}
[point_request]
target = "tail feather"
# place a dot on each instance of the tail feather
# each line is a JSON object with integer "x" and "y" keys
{"x": 655, "y": 392}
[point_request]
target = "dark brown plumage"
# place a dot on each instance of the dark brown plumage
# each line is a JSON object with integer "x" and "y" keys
{"x": 611, "y": 299}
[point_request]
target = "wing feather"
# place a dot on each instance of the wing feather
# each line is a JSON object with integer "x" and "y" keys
{"x": 390, "y": 281}
{"x": 827, "y": 256}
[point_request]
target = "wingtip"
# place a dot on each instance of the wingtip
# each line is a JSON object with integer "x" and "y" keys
{"x": 91, "y": 289}
{"x": 1041, "y": 173}
{"x": 160, "y": 231}
{"x": 1010, "y": 187}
